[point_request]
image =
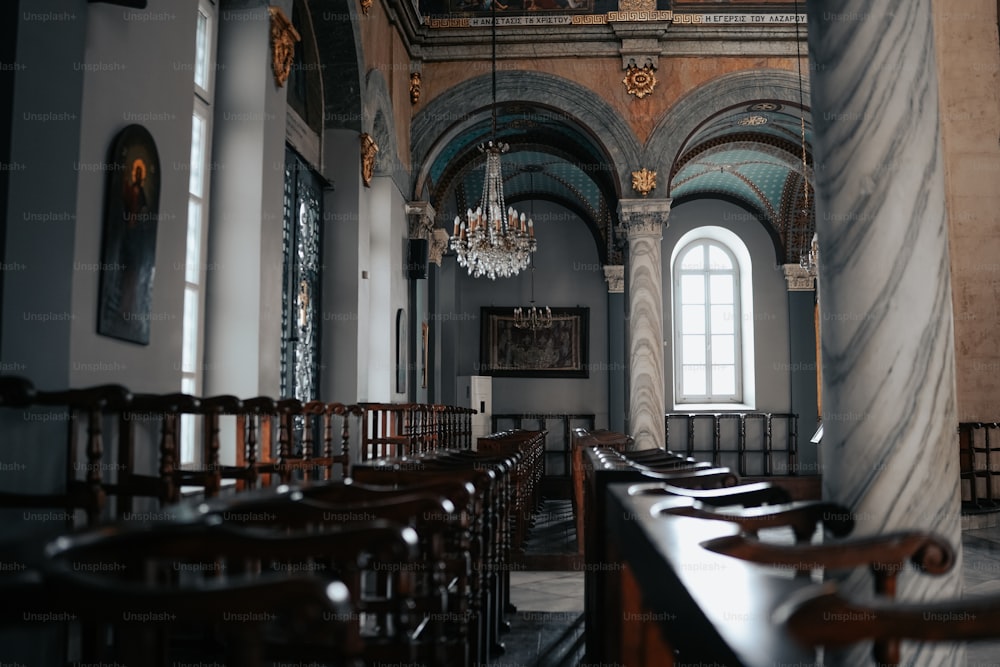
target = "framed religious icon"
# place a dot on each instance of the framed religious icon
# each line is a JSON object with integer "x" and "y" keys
{"x": 128, "y": 248}
{"x": 551, "y": 352}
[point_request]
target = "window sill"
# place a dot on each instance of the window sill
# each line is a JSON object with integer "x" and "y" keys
{"x": 713, "y": 407}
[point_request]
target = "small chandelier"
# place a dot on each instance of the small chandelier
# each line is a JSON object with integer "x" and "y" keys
{"x": 494, "y": 241}
{"x": 532, "y": 317}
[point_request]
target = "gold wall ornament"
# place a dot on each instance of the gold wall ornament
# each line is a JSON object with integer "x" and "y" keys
{"x": 365, "y": 6}
{"x": 368, "y": 150}
{"x": 639, "y": 81}
{"x": 414, "y": 87}
{"x": 283, "y": 39}
{"x": 644, "y": 181}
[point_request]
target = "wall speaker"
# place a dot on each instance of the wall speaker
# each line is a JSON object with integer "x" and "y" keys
{"x": 416, "y": 260}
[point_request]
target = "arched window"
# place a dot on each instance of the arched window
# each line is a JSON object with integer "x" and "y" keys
{"x": 709, "y": 310}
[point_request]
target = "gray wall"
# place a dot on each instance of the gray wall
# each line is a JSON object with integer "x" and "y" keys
{"x": 568, "y": 272}
{"x": 770, "y": 299}
{"x": 136, "y": 79}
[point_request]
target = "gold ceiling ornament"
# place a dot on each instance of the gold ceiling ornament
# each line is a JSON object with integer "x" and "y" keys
{"x": 414, "y": 87}
{"x": 639, "y": 81}
{"x": 644, "y": 181}
{"x": 284, "y": 36}
{"x": 365, "y": 6}
{"x": 752, "y": 121}
{"x": 368, "y": 150}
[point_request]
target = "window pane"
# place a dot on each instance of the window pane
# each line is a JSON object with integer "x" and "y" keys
{"x": 193, "y": 256}
{"x": 196, "y": 184}
{"x": 693, "y": 380}
{"x": 187, "y": 439}
{"x": 693, "y": 319}
{"x": 693, "y": 289}
{"x": 723, "y": 380}
{"x": 189, "y": 345}
{"x": 718, "y": 259}
{"x": 721, "y": 289}
{"x": 723, "y": 319}
{"x": 723, "y": 349}
{"x": 694, "y": 258}
{"x": 693, "y": 351}
{"x": 201, "y": 52}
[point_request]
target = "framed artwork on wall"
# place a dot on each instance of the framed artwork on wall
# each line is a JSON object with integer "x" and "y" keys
{"x": 557, "y": 352}
{"x": 128, "y": 246}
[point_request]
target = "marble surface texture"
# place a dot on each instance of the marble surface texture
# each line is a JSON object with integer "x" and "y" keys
{"x": 888, "y": 348}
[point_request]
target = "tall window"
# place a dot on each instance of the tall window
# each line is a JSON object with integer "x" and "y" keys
{"x": 203, "y": 70}
{"x": 707, "y": 324}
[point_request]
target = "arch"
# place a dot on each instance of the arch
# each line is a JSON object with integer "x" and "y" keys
{"x": 450, "y": 113}
{"x": 337, "y": 27}
{"x": 675, "y": 127}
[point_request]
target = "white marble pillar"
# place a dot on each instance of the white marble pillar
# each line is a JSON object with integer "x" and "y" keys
{"x": 643, "y": 221}
{"x": 889, "y": 446}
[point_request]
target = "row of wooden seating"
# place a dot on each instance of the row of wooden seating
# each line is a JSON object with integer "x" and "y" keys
{"x": 676, "y": 573}
{"x": 401, "y": 429}
{"x": 334, "y": 572}
{"x": 498, "y": 477}
{"x": 131, "y": 442}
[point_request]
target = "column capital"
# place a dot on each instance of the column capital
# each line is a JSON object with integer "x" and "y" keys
{"x": 643, "y": 216}
{"x": 614, "y": 274}
{"x": 420, "y": 215}
{"x": 799, "y": 278}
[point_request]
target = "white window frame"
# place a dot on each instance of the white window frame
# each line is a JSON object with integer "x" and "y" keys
{"x": 735, "y": 248}
{"x": 195, "y": 265}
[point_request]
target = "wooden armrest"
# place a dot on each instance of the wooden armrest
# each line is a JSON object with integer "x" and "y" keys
{"x": 821, "y": 617}
{"x": 107, "y": 396}
{"x": 224, "y": 404}
{"x": 801, "y": 516}
{"x": 259, "y": 405}
{"x": 16, "y": 391}
{"x": 289, "y": 406}
{"x": 669, "y": 465}
{"x": 748, "y": 495}
{"x": 884, "y": 554}
{"x": 172, "y": 403}
{"x": 700, "y": 476}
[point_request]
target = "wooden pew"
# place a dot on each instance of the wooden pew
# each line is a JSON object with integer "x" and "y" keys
{"x": 405, "y": 606}
{"x": 85, "y": 412}
{"x": 154, "y": 589}
{"x": 489, "y": 475}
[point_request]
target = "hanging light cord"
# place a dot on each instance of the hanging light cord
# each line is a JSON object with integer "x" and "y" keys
{"x": 493, "y": 14}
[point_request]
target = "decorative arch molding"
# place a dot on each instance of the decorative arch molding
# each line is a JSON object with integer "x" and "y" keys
{"x": 448, "y": 114}
{"x": 378, "y": 120}
{"x": 677, "y": 125}
{"x": 337, "y": 27}
{"x": 776, "y": 240}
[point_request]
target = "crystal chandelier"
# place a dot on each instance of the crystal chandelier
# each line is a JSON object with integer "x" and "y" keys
{"x": 532, "y": 317}
{"x": 493, "y": 241}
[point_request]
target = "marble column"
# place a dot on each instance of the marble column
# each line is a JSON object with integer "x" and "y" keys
{"x": 643, "y": 221}
{"x": 614, "y": 274}
{"x": 889, "y": 447}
